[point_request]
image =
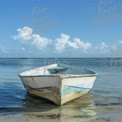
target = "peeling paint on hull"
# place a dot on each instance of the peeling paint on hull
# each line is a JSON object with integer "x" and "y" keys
{"x": 54, "y": 96}
{"x": 51, "y": 94}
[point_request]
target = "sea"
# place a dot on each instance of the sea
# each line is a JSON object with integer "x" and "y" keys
{"x": 104, "y": 101}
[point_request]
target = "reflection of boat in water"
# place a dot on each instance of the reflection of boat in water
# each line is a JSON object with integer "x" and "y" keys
{"x": 59, "y": 83}
{"x": 81, "y": 109}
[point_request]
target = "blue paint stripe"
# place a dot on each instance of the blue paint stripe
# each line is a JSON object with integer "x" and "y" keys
{"x": 77, "y": 87}
{"x": 71, "y": 89}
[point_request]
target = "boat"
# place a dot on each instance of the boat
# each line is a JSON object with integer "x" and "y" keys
{"x": 59, "y": 83}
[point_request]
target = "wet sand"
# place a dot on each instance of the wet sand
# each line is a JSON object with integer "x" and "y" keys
{"x": 68, "y": 113}
{"x": 36, "y": 117}
{"x": 83, "y": 109}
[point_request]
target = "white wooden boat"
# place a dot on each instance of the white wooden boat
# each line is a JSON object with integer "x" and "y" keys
{"x": 59, "y": 83}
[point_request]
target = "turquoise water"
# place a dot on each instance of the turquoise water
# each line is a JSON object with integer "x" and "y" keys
{"x": 106, "y": 93}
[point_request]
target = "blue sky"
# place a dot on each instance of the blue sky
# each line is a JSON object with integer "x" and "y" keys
{"x": 60, "y": 28}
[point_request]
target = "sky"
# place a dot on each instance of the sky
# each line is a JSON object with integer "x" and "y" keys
{"x": 60, "y": 28}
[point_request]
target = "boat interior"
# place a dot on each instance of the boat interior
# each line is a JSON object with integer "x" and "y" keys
{"x": 57, "y": 69}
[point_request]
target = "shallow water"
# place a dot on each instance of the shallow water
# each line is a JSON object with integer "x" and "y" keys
{"x": 105, "y": 97}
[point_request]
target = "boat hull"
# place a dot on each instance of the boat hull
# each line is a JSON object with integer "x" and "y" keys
{"x": 59, "y": 89}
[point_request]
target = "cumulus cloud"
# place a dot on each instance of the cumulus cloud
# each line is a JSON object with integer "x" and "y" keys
{"x": 102, "y": 48}
{"x": 64, "y": 42}
{"x": 61, "y": 42}
{"x": 82, "y": 44}
{"x": 39, "y": 41}
{"x": 111, "y": 49}
{"x": 25, "y": 34}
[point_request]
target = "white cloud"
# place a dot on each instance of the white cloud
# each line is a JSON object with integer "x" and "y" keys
{"x": 116, "y": 49}
{"x": 102, "y": 48}
{"x": 63, "y": 42}
{"x": 82, "y": 44}
{"x": 39, "y": 41}
{"x": 63, "y": 45}
{"x": 25, "y": 34}
{"x": 111, "y": 49}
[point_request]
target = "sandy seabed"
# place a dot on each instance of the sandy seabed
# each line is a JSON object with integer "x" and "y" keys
{"x": 105, "y": 115}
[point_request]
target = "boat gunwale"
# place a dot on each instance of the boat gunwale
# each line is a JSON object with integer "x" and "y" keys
{"x": 60, "y": 75}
